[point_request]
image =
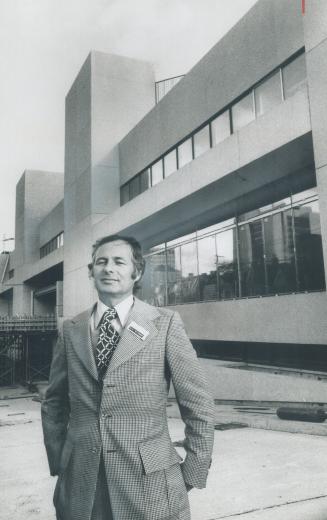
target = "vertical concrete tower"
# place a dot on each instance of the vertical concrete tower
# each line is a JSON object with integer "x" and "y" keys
{"x": 109, "y": 97}
{"x": 315, "y": 38}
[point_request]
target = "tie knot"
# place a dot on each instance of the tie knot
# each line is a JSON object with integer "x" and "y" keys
{"x": 109, "y": 314}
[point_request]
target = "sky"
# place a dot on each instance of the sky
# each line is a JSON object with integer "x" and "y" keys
{"x": 43, "y": 44}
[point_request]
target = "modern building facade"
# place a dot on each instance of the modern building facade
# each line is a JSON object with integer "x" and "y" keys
{"x": 223, "y": 180}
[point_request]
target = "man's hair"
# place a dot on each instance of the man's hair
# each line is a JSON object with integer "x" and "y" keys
{"x": 137, "y": 256}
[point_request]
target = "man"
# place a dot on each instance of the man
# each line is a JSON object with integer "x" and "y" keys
{"x": 104, "y": 414}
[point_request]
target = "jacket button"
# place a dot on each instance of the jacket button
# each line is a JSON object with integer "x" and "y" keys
{"x": 105, "y": 415}
{"x": 94, "y": 450}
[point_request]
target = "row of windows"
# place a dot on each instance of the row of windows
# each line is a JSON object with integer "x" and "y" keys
{"x": 52, "y": 245}
{"x": 275, "y": 249}
{"x": 280, "y": 85}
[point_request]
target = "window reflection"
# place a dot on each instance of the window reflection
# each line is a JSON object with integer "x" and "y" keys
{"x": 170, "y": 161}
{"x": 268, "y": 94}
{"x": 227, "y": 264}
{"x": 220, "y": 128}
{"x": 157, "y": 172}
{"x": 252, "y": 269}
{"x": 174, "y": 276}
{"x": 145, "y": 180}
{"x": 154, "y": 280}
{"x": 308, "y": 246}
{"x": 207, "y": 268}
{"x": 201, "y": 141}
{"x": 185, "y": 153}
{"x": 189, "y": 272}
{"x": 279, "y": 250}
{"x": 243, "y": 112}
{"x": 274, "y": 249}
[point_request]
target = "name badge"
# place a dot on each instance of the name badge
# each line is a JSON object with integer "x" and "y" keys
{"x": 137, "y": 330}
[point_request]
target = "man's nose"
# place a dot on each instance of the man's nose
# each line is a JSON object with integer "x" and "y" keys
{"x": 108, "y": 267}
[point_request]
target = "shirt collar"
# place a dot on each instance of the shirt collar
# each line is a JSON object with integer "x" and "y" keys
{"x": 123, "y": 308}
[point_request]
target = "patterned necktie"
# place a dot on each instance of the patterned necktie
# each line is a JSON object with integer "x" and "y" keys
{"x": 107, "y": 341}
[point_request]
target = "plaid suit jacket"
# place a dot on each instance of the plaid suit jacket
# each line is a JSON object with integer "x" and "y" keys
{"x": 124, "y": 420}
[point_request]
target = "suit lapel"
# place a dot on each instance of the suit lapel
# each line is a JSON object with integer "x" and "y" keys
{"x": 129, "y": 344}
{"x": 81, "y": 340}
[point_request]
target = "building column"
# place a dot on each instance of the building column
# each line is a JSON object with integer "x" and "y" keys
{"x": 315, "y": 37}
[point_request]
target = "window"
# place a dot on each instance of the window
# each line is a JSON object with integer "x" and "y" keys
{"x": 52, "y": 245}
{"x": 201, "y": 141}
{"x": 189, "y": 272}
{"x": 220, "y": 128}
{"x": 170, "y": 162}
{"x": 268, "y": 94}
{"x": 308, "y": 244}
{"x": 154, "y": 280}
{"x": 144, "y": 180}
{"x": 157, "y": 172}
{"x": 294, "y": 76}
{"x": 174, "y": 276}
{"x": 134, "y": 187}
{"x": 207, "y": 268}
{"x": 251, "y": 253}
{"x": 185, "y": 153}
{"x": 279, "y": 252}
{"x": 227, "y": 264}
{"x": 243, "y": 112}
{"x": 124, "y": 194}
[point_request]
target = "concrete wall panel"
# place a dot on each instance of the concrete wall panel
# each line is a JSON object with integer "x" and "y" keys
{"x": 231, "y": 67}
{"x": 52, "y": 224}
{"x": 293, "y": 318}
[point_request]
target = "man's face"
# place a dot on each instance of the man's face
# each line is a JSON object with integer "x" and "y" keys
{"x": 112, "y": 271}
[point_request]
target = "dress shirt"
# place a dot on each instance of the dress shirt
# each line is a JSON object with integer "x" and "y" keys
{"x": 123, "y": 309}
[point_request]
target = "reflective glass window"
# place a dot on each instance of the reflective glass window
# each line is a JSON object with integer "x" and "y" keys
{"x": 134, "y": 188}
{"x": 207, "y": 268}
{"x": 170, "y": 161}
{"x": 201, "y": 141}
{"x": 307, "y": 194}
{"x": 157, "y": 172}
{"x": 144, "y": 180}
{"x": 265, "y": 209}
{"x": 220, "y": 128}
{"x": 251, "y": 252}
{"x": 185, "y": 154}
{"x": 227, "y": 264}
{"x": 174, "y": 276}
{"x": 243, "y": 112}
{"x": 154, "y": 280}
{"x": 268, "y": 94}
{"x": 309, "y": 254}
{"x": 215, "y": 227}
{"x": 189, "y": 265}
{"x": 279, "y": 253}
{"x": 179, "y": 240}
{"x": 294, "y": 76}
{"x": 124, "y": 194}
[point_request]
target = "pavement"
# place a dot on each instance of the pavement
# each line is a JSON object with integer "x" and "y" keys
{"x": 257, "y": 473}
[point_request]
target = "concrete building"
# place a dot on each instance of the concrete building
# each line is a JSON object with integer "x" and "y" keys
{"x": 224, "y": 181}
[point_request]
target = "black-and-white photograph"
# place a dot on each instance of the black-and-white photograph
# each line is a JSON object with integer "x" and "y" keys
{"x": 163, "y": 261}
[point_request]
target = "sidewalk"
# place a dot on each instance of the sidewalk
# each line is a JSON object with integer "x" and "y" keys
{"x": 255, "y": 474}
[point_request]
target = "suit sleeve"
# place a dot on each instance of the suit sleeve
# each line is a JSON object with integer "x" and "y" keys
{"x": 195, "y": 403}
{"x": 55, "y": 407}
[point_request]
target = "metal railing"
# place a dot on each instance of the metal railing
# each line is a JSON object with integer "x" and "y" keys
{"x": 23, "y": 323}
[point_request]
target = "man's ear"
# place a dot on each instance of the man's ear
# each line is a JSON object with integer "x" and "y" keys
{"x": 90, "y": 270}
